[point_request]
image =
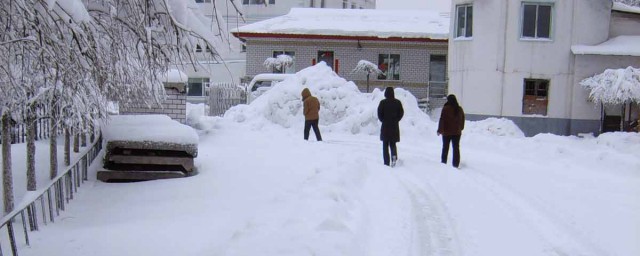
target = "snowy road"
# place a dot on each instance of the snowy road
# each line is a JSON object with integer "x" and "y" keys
{"x": 265, "y": 191}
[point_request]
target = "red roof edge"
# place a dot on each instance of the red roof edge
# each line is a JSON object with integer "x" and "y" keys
{"x": 299, "y": 36}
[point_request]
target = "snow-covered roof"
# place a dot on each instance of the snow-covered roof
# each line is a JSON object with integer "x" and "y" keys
{"x": 621, "y": 45}
{"x": 621, "y": 7}
{"x": 422, "y": 24}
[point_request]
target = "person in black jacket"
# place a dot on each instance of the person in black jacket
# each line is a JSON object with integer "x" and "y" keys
{"x": 390, "y": 113}
{"x": 450, "y": 127}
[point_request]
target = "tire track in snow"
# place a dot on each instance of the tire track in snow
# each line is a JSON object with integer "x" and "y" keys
{"x": 433, "y": 234}
{"x": 561, "y": 239}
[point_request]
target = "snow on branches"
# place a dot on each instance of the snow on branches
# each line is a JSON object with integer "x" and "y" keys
{"x": 367, "y": 67}
{"x": 614, "y": 86}
{"x": 280, "y": 62}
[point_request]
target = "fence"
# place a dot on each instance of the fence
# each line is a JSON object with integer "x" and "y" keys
{"x": 19, "y": 130}
{"x": 224, "y": 96}
{"x": 48, "y": 200}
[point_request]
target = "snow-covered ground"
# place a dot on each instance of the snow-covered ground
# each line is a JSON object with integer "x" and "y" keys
{"x": 263, "y": 190}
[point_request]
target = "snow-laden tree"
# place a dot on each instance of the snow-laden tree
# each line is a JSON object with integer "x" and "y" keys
{"x": 73, "y": 56}
{"x": 365, "y": 66}
{"x": 614, "y": 87}
{"x": 280, "y": 62}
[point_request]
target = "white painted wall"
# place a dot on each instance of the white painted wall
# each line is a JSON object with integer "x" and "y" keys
{"x": 487, "y": 71}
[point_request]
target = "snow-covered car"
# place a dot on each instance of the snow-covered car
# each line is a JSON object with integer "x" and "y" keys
{"x": 263, "y": 82}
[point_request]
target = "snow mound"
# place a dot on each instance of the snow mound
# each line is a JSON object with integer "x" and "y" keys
{"x": 343, "y": 107}
{"x": 494, "y": 126}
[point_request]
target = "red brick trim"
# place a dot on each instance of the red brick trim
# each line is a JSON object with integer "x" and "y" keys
{"x": 368, "y": 38}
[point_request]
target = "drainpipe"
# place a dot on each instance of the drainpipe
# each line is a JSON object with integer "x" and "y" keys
{"x": 504, "y": 58}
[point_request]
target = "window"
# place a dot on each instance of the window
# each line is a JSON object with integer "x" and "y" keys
{"x": 345, "y": 4}
{"x": 203, "y": 1}
{"x": 199, "y": 48}
{"x": 389, "y": 64}
{"x": 197, "y": 86}
{"x": 327, "y": 57}
{"x": 535, "y": 98}
{"x": 287, "y": 70}
{"x": 464, "y": 20}
{"x": 437, "y": 76}
{"x": 536, "y": 20}
{"x": 255, "y": 2}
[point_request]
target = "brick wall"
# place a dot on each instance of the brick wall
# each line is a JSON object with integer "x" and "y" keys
{"x": 174, "y": 106}
{"x": 414, "y": 58}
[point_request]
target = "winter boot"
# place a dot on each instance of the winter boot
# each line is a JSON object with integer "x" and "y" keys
{"x": 394, "y": 159}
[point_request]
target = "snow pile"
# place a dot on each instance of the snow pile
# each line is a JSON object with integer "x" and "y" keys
{"x": 614, "y": 86}
{"x": 153, "y": 128}
{"x": 343, "y": 106}
{"x": 495, "y": 127}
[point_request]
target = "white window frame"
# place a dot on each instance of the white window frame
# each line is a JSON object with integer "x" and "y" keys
{"x": 551, "y": 22}
{"x": 205, "y": 81}
{"x": 395, "y": 69}
{"x": 467, "y": 22}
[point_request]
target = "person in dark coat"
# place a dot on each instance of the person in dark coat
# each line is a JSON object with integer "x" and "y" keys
{"x": 390, "y": 113}
{"x": 450, "y": 127}
{"x": 311, "y": 110}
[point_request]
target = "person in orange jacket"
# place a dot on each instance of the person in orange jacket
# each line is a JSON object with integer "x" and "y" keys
{"x": 311, "y": 110}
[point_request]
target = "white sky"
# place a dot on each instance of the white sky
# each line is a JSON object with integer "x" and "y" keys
{"x": 440, "y": 5}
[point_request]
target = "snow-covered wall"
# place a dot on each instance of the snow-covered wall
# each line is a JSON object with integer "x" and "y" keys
{"x": 487, "y": 71}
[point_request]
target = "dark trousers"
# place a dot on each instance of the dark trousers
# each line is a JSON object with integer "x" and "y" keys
{"x": 455, "y": 141}
{"x": 386, "y": 145}
{"x": 307, "y": 126}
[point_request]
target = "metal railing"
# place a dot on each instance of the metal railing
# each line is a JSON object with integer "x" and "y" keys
{"x": 224, "y": 96}
{"x": 48, "y": 200}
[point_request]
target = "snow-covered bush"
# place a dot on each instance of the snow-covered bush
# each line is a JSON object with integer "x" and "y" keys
{"x": 614, "y": 86}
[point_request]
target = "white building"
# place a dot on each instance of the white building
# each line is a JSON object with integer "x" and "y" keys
{"x": 231, "y": 68}
{"x": 514, "y": 59}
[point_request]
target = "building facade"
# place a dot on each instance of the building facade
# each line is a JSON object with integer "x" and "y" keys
{"x": 411, "y": 59}
{"x": 513, "y": 59}
{"x": 230, "y": 68}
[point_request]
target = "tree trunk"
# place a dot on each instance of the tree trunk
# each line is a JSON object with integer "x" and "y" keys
{"x": 92, "y": 130}
{"x": 83, "y": 136}
{"x": 76, "y": 141}
{"x": 31, "y": 150}
{"x": 53, "y": 147}
{"x": 367, "y": 82}
{"x": 7, "y": 184}
{"x": 67, "y": 147}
